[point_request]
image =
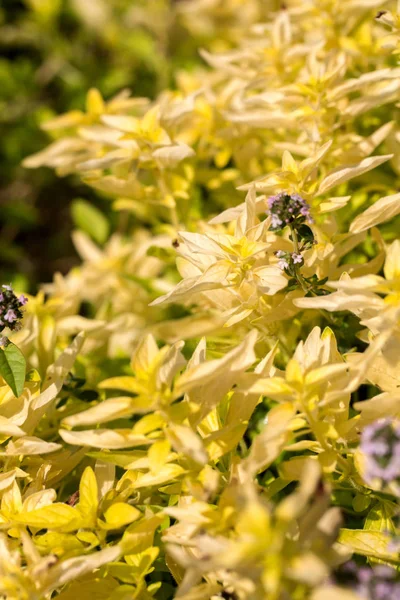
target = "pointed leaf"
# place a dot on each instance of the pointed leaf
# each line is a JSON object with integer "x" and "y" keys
{"x": 90, "y": 219}
{"x": 13, "y": 368}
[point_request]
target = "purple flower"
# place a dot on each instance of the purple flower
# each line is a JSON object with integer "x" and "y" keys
{"x": 283, "y": 264}
{"x": 285, "y": 208}
{"x": 10, "y": 308}
{"x": 297, "y": 258}
{"x": 276, "y": 222}
{"x": 377, "y": 583}
{"x": 380, "y": 443}
{"x": 10, "y": 316}
{"x": 288, "y": 260}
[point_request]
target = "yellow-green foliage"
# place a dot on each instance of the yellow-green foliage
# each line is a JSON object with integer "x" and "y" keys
{"x": 197, "y": 388}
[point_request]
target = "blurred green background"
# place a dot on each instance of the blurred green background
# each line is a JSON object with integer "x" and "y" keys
{"x": 51, "y": 53}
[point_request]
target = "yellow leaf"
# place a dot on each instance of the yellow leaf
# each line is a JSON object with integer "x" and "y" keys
{"x": 274, "y": 387}
{"x": 88, "y": 494}
{"x": 94, "y": 102}
{"x": 124, "y": 383}
{"x": 293, "y": 469}
{"x": 104, "y": 438}
{"x": 119, "y": 515}
{"x": 167, "y": 473}
{"x": 186, "y": 441}
{"x": 293, "y": 372}
{"x": 39, "y": 500}
{"x": 350, "y": 171}
{"x": 383, "y": 210}
{"x": 148, "y": 423}
{"x": 139, "y": 536}
{"x": 325, "y": 374}
{"x": 73, "y": 568}
{"x": 114, "y": 408}
{"x": 392, "y": 262}
{"x": 145, "y": 354}
{"x": 380, "y": 517}
{"x": 56, "y": 516}
{"x": 288, "y": 163}
{"x": 93, "y": 587}
{"x": 158, "y": 454}
{"x": 271, "y": 441}
{"x": 373, "y": 544}
{"x": 46, "y": 342}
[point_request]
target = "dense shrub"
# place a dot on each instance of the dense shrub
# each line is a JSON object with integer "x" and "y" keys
{"x": 208, "y": 405}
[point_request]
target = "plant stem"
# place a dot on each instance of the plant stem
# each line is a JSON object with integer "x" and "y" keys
{"x": 298, "y": 275}
{"x": 305, "y": 287}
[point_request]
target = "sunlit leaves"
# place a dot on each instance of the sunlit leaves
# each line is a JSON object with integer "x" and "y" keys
{"x": 189, "y": 419}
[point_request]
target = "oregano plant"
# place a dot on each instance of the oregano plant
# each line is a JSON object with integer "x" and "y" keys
{"x": 12, "y": 360}
{"x": 211, "y": 409}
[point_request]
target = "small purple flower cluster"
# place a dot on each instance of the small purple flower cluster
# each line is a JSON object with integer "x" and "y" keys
{"x": 10, "y": 308}
{"x": 285, "y": 209}
{"x": 287, "y": 259}
{"x": 378, "y": 583}
{"x": 380, "y": 444}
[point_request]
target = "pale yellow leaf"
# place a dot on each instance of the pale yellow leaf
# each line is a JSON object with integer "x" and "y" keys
{"x": 104, "y": 438}
{"x": 111, "y": 409}
{"x": 383, "y": 210}
{"x": 30, "y": 445}
{"x": 373, "y": 544}
{"x": 168, "y": 473}
{"x": 345, "y": 173}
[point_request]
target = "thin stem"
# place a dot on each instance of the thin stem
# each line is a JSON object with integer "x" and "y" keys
{"x": 305, "y": 287}
{"x": 298, "y": 275}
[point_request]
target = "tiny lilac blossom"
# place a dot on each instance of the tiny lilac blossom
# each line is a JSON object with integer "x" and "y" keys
{"x": 378, "y": 583}
{"x": 10, "y": 316}
{"x": 297, "y": 258}
{"x": 380, "y": 444}
{"x": 283, "y": 264}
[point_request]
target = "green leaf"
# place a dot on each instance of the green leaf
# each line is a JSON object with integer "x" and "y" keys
{"x": 305, "y": 233}
{"x": 91, "y": 220}
{"x": 380, "y": 517}
{"x": 361, "y": 503}
{"x": 372, "y": 544}
{"x": 13, "y": 368}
